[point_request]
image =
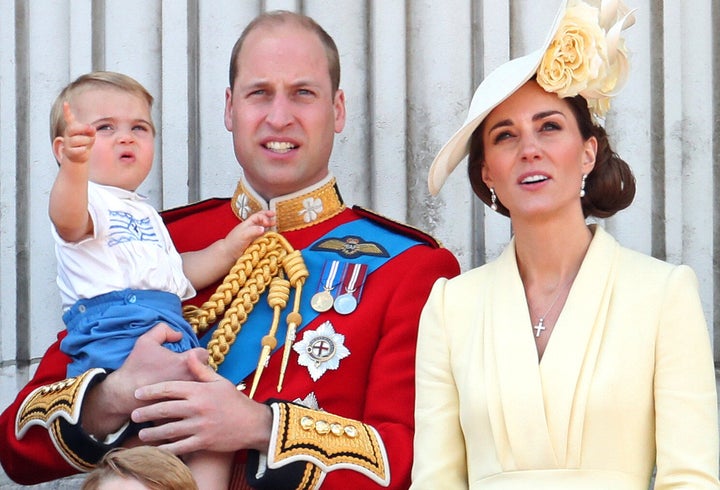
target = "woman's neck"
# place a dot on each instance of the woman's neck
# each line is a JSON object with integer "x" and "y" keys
{"x": 550, "y": 253}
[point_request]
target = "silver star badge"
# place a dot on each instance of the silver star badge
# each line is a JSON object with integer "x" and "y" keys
{"x": 321, "y": 349}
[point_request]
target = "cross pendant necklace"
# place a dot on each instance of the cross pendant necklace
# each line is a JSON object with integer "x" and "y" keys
{"x": 541, "y": 322}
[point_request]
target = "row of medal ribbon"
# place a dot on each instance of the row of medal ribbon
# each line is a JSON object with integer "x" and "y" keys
{"x": 340, "y": 287}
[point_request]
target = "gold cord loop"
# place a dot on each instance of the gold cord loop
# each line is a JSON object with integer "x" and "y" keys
{"x": 264, "y": 262}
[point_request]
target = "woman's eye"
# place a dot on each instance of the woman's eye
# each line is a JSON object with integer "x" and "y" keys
{"x": 550, "y": 126}
{"x": 501, "y": 136}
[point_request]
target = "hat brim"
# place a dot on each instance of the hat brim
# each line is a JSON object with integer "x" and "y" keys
{"x": 494, "y": 89}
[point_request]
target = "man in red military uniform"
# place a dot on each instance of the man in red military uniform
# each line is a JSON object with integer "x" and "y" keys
{"x": 313, "y": 390}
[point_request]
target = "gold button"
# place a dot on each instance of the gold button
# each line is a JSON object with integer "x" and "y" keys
{"x": 351, "y": 431}
{"x": 336, "y": 429}
{"x": 322, "y": 427}
{"x": 307, "y": 423}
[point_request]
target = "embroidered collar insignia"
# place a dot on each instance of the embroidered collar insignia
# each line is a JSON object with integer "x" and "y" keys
{"x": 295, "y": 211}
{"x": 242, "y": 203}
{"x": 321, "y": 349}
{"x": 351, "y": 247}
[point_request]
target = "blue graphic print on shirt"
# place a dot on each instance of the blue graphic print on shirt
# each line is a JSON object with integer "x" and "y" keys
{"x": 124, "y": 227}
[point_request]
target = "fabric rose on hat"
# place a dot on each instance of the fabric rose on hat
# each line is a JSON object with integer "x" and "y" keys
{"x": 576, "y": 55}
{"x": 587, "y": 56}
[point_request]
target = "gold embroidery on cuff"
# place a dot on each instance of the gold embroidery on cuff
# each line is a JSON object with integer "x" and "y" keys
{"x": 46, "y": 405}
{"x": 312, "y": 477}
{"x": 70, "y": 456}
{"x": 329, "y": 441}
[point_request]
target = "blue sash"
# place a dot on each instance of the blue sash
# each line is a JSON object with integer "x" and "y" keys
{"x": 243, "y": 356}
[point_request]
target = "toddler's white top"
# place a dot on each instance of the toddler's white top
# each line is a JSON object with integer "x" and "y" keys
{"x": 130, "y": 248}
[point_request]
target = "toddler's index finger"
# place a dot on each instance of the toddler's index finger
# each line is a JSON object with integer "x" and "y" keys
{"x": 73, "y": 127}
{"x": 68, "y": 114}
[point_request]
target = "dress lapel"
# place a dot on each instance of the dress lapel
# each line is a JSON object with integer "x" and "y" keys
{"x": 537, "y": 411}
{"x": 515, "y": 396}
{"x": 572, "y": 351}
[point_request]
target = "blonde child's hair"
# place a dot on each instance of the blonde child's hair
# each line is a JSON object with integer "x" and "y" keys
{"x": 155, "y": 468}
{"x": 96, "y": 79}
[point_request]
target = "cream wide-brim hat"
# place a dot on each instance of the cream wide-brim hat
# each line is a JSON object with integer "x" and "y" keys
{"x": 500, "y": 84}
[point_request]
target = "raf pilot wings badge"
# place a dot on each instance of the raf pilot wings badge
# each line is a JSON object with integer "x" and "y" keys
{"x": 351, "y": 247}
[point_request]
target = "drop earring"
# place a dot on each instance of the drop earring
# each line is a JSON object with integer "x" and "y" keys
{"x": 582, "y": 185}
{"x": 493, "y": 199}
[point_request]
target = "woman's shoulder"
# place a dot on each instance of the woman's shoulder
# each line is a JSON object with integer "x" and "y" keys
{"x": 632, "y": 261}
{"x": 635, "y": 260}
{"x": 635, "y": 264}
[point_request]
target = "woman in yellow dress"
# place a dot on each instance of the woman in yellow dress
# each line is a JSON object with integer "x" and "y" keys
{"x": 570, "y": 362}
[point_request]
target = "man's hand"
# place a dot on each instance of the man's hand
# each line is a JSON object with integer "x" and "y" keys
{"x": 208, "y": 413}
{"x": 109, "y": 404}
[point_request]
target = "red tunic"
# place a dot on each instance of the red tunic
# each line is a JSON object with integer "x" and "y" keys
{"x": 373, "y": 385}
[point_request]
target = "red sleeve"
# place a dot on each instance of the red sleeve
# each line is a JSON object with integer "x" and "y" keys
{"x": 34, "y": 459}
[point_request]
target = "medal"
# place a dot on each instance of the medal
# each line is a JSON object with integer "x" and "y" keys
{"x": 322, "y": 301}
{"x": 321, "y": 349}
{"x": 348, "y": 300}
{"x": 345, "y": 303}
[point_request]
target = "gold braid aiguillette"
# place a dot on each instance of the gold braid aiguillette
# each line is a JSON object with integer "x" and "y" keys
{"x": 267, "y": 257}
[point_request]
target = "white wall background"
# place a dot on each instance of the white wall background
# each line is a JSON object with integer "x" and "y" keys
{"x": 409, "y": 70}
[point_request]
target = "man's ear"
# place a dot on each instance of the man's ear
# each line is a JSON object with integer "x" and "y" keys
{"x": 228, "y": 109}
{"x": 339, "y": 108}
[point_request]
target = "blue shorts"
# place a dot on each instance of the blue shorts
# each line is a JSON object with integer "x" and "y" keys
{"x": 102, "y": 330}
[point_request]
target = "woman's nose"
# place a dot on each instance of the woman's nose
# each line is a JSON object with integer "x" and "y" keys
{"x": 529, "y": 148}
